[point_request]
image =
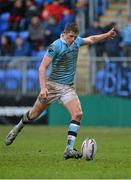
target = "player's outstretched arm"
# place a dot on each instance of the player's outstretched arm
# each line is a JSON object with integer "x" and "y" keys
{"x": 96, "y": 38}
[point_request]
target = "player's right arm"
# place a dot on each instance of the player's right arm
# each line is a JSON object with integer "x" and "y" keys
{"x": 50, "y": 56}
{"x": 100, "y": 37}
{"x": 42, "y": 77}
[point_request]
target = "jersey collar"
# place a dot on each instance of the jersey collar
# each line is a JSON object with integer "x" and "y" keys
{"x": 61, "y": 38}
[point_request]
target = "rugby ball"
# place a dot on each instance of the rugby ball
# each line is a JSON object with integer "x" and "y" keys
{"x": 88, "y": 149}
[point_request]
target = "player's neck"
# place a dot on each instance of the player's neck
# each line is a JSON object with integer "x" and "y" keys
{"x": 62, "y": 37}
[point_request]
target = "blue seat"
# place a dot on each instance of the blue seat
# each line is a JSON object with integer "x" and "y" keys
{"x": 24, "y": 34}
{"x": 11, "y": 84}
{"x": 4, "y": 17}
{"x": 2, "y": 75}
{"x": 99, "y": 84}
{"x": 14, "y": 73}
{"x": 13, "y": 79}
{"x": 41, "y": 2}
{"x": 11, "y": 34}
{"x": 2, "y": 78}
{"x": 40, "y": 55}
{"x": 4, "y": 25}
{"x": 32, "y": 79}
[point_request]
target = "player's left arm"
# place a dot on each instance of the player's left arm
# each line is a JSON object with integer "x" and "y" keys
{"x": 96, "y": 38}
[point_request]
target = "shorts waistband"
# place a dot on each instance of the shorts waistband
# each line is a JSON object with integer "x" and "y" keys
{"x": 71, "y": 84}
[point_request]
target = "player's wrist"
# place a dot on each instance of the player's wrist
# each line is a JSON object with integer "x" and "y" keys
{"x": 107, "y": 34}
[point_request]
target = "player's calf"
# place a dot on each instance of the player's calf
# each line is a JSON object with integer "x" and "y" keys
{"x": 16, "y": 130}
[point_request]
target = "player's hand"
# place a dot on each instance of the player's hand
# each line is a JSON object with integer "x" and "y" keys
{"x": 44, "y": 93}
{"x": 112, "y": 33}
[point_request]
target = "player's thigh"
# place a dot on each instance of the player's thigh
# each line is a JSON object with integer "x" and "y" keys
{"x": 39, "y": 106}
{"x": 74, "y": 108}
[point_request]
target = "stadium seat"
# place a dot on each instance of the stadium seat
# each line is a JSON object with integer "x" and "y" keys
{"x": 99, "y": 84}
{"x": 37, "y": 64}
{"x": 40, "y": 54}
{"x": 14, "y": 73}
{"x": 32, "y": 79}
{"x": 4, "y": 25}
{"x": 41, "y": 2}
{"x": 11, "y": 84}
{"x": 24, "y": 34}
{"x": 2, "y": 75}
{"x": 2, "y": 78}
{"x": 13, "y": 79}
{"x": 11, "y": 34}
{"x": 4, "y": 17}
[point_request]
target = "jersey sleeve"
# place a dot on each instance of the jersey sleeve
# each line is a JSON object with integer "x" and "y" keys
{"x": 80, "y": 41}
{"x": 52, "y": 51}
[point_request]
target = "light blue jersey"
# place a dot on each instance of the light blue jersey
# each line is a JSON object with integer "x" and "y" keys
{"x": 64, "y": 60}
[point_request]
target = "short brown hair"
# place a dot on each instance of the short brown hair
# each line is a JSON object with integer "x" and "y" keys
{"x": 71, "y": 27}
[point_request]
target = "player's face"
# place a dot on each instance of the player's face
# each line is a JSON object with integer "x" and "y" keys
{"x": 70, "y": 37}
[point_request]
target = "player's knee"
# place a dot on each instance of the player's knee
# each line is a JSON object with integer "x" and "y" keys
{"x": 33, "y": 115}
{"x": 78, "y": 115}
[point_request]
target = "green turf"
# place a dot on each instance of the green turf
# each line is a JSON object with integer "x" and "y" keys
{"x": 38, "y": 153}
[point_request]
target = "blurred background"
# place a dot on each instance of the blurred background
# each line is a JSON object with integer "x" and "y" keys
{"x": 103, "y": 79}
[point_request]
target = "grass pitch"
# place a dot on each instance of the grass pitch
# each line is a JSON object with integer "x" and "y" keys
{"x": 37, "y": 153}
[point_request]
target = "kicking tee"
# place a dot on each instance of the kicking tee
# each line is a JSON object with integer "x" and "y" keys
{"x": 64, "y": 60}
